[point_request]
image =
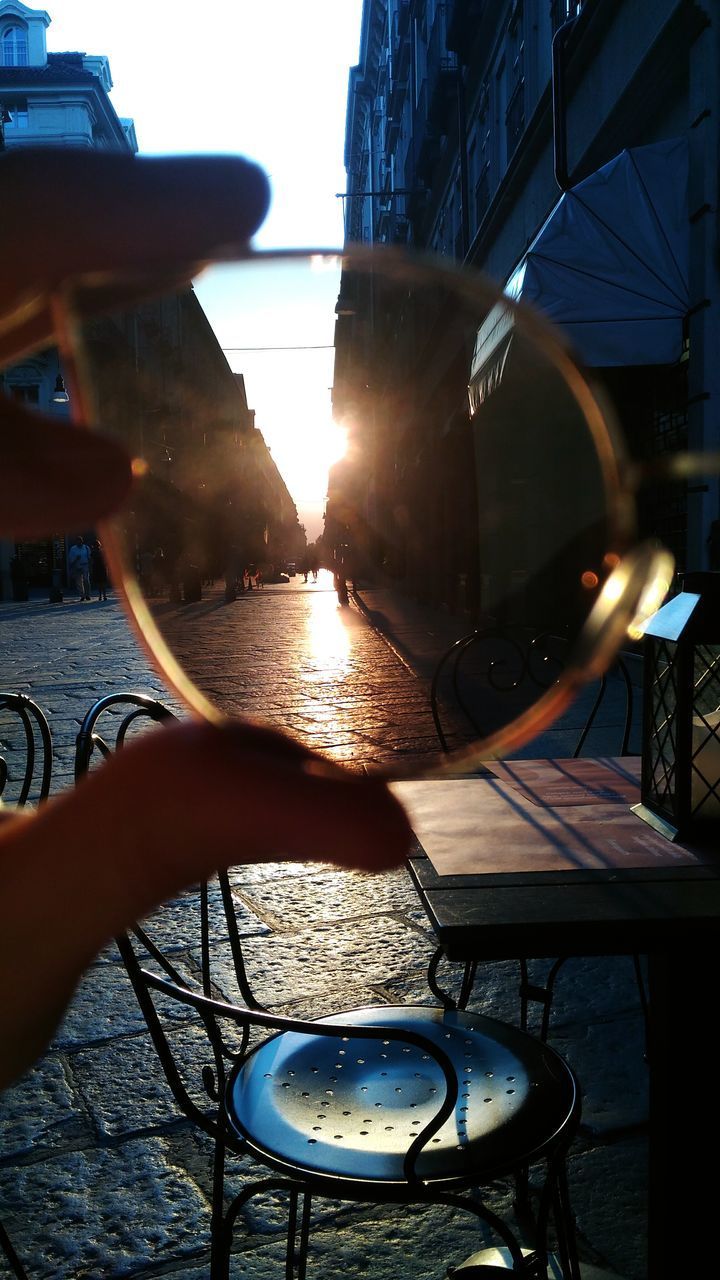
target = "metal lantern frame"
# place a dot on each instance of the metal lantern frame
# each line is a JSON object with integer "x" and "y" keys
{"x": 680, "y": 788}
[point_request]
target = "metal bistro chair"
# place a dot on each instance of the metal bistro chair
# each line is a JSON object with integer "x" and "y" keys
{"x": 391, "y": 1104}
{"x": 482, "y": 669}
{"x": 25, "y": 750}
{"x": 25, "y": 776}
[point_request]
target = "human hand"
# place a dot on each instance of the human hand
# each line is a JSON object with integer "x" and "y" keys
{"x": 164, "y": 802}
{"x": 167, "y": 809}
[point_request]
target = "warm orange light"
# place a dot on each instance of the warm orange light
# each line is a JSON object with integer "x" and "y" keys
{"x": 589, "y": 580}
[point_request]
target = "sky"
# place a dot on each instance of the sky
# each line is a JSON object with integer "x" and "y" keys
{"x": 266, "y": 79}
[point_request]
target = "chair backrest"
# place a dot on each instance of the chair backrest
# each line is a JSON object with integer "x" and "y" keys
{"x": 490, "y": 675}
{"x": 209, "y": 922}
{"x": 110, "y": 720}
{"x": 26, "y": 756}
{"x": 154, "y": 955}
{"x": 26, "y": 751}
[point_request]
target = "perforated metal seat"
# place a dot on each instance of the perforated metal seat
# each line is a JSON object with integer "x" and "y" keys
{"x": 347, "y": 1109}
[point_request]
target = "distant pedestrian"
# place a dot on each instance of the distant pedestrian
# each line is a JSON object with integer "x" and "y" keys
{"x": 98, "y": 570}
{"x": 159, "y": 573}
{"x": 79, "y": 568}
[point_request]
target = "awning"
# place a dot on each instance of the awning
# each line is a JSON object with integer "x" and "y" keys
{"x": 609, "y": 266}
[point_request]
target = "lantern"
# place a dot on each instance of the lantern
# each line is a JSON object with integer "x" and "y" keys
{"x": 680, "y": 790}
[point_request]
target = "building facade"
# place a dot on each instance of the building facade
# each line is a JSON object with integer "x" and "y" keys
{"x": 159, "y": 363}
{"x": 48, "y": 100}
{"x": 485, "y": 131}
{"x": 54, "y": 99}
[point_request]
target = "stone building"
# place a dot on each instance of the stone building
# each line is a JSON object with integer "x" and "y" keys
{"x": 570, "y": 152}
{"x": 51, "y": 100}
{"x": 48, "y": 100}
{"x": 54, "y": 99}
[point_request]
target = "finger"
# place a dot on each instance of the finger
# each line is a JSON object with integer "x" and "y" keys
{"x": 248, "y": 795}
{"x": 193, "y": 797}
{"x": 77, "y": 213}
{"x": 55, "y": 476}
{"x": 174, "y": 807}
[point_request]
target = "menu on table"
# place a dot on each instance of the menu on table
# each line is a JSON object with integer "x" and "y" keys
{"x": 487, "y": 826}
{"x": 605, "y": 779}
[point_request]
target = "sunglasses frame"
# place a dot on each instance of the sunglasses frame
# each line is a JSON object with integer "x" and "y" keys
{"x": 634, "y": 588}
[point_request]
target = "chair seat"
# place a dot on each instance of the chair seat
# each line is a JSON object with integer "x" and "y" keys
{"x": 349, "y": 1108}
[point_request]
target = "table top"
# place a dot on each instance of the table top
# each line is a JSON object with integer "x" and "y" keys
{"x": 546, "y": 857}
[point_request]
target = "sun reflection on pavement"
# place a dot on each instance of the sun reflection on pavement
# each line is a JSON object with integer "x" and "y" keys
{"x": 329, "y": 647}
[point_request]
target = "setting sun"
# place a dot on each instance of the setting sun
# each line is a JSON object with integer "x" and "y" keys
{"x": 305, "y": 454}
{"x": 305, "y": 457}
{"x": 275, "y": 321}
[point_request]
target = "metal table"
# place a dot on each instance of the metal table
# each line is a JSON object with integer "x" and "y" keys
{"x": 543, "y": 858}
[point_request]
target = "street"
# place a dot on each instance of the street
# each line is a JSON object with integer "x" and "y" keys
{"x": 287, "y": 654}
{"x": 99, "y": 1173}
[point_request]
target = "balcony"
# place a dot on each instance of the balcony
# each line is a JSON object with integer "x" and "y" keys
{"x": 427, "y": 154}
{"x": 442, "y": 72}
{"x": 396, "y": 99}
{"x": 400, "y": 36}
{"x": 463, "y": 19}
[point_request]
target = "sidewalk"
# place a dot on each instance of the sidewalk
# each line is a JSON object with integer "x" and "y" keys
{"x": 99, "y": 1174}
{"x": 420, "y": 636}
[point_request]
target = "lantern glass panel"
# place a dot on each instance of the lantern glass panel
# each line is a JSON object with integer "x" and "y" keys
{"x": 706, "y": 732}
{"x": 662, "y": 744}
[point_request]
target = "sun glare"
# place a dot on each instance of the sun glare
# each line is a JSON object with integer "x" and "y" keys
{"x": 275, "y": 320}
{"x": 304, "y": 455}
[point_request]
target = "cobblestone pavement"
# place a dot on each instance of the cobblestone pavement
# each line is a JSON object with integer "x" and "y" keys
{"x": 100, "y": 1176}
{"x": 322, "y": 668}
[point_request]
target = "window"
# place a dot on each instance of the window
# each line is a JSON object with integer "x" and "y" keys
{"x": 482, "y": 151}
{"x": 500, "y": 102}
{"x": 18, "y": 112}
{"x": 515, "y": 111}
{"x": 27, "y": 393}
{"x": 14, "y": 46}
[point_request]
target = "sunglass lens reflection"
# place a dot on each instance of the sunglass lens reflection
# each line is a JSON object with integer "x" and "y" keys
{"x": 308, "y": 426}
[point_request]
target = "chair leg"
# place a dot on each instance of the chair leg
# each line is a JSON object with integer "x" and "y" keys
{"x": 298, "y": 1239}
{"x": 446, "y": 1001}
{"x": 304, "y": 1236}
{"x": 520, "y": 1263}
{"x": 467, "y": 984}
{"x": 226, "y": 1226}
{"x": 544, "y": 996}
{"x": 521, "y": 1201}
{"x": 541, "y": 995}
{"x": 220, "y": 1232}
{"x": 565, "y": 1225}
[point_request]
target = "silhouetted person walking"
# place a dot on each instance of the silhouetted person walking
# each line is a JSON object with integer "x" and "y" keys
{"x": 79, "y": 568}
{"x": 98, "y": 570}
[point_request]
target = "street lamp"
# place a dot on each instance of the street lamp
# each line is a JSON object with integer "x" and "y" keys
{"x": 60, "y": 395}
